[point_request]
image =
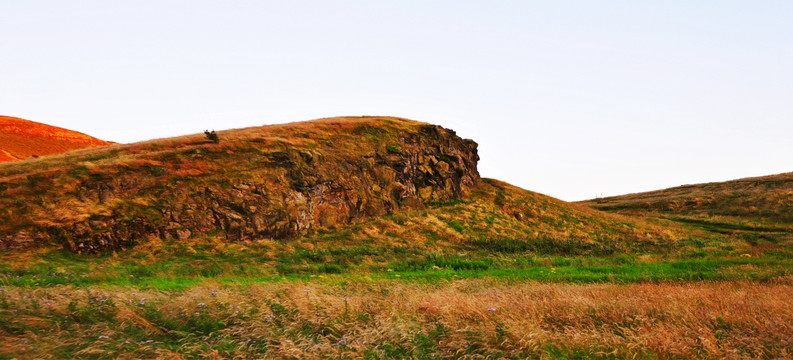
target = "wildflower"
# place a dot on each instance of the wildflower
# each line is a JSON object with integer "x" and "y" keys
{"x": 142, "y": 302}
{"x": 201, "y": 305}
{"x": 397, "y": 275}
{"x": 746, "y": 255}
{"x": 491, "y": 309}
{"x": 213, "y": 293}
{"x": 104, "y": 337}
{"x": 390, "y": 270}
{"x": 196, "y": 313}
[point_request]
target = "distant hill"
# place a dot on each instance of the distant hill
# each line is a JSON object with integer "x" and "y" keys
{"x": 349, "y": 179}
{"x": 761, "y": 205}
{"x": 21, "y": 139}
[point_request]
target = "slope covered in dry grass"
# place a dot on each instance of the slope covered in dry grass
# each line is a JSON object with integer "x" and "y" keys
{"x": 758, "y": 210}
{"x": 766, "y": 199}
{"x": 21, "y": 139}
{"x": 288, "y": 181}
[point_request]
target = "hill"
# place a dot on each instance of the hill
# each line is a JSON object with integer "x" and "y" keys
{"x": 361, "y": 237}
{"x": 21, "y": 139}
{"x": 288, "y": 181}
{"x": 756, "y": 207}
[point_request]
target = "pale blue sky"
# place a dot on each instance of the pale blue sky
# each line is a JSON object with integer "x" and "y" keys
{"x": 569, "y": 98}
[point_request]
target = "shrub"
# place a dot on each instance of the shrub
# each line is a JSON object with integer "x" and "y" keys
{"x": 212, "y": 136}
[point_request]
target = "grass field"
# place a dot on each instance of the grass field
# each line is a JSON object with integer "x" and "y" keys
{"x": 344, "y": 295}
{"x": 379, "y": 319}
{"x": 210, "y": 299}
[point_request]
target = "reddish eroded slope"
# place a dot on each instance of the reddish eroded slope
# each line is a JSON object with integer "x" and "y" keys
{"x": 20, "y": 139}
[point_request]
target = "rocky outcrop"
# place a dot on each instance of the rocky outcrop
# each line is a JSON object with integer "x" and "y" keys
{"x": 275, "y": 182}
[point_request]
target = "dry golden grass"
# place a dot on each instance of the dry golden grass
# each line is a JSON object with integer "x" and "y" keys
{"x": 460, "y": 319}
{"x": 20, "y": 139}
{"x": 756, "y": 201}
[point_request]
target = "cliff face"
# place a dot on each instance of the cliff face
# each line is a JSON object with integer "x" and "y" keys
{"x": 276, "y": 182}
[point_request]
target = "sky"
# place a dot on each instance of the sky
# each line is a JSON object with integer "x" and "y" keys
{"x": 574, "y": 99}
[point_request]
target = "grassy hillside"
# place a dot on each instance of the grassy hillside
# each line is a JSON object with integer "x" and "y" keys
{"x": 290, "y": 181}
{"x": 758, "y": 210}
{"x": 368, "y": 238}
{"x": 21, "y": 139}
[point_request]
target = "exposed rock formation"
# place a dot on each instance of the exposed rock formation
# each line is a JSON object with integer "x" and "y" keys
{"x": 271, "y": 182}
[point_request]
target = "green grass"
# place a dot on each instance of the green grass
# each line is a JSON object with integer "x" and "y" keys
{"x": 159, "y": 297}
{"x": 394, "y": 148}
{"x": 249, "y": 265}
{"x": 722, "y": 227}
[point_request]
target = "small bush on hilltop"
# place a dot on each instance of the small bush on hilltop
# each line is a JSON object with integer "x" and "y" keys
{"x": 212, "y": 136}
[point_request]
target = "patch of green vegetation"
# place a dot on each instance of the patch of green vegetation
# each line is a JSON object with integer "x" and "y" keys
{"x": 725, "y": 228}
{"x": 543, "y": 245}
{"x": 372, "y": 133}
{"x": 177, "y": 266}
{"x": 449, "y": 158}
{"x": 457, "y": 226}
{"x": 152, "y": 169}
{"x": 437, "y": 261}
{"x": 78, "y": 172}
{"x": 446, "y": 203}
{"x": 394, "y": 148}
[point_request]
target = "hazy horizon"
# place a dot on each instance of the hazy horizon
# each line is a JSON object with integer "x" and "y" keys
{"x": 571, "y": 99}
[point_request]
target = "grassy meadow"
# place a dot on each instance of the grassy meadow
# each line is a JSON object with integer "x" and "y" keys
{"x": 322, "y": 296}
{"x": 385, "y": 319}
